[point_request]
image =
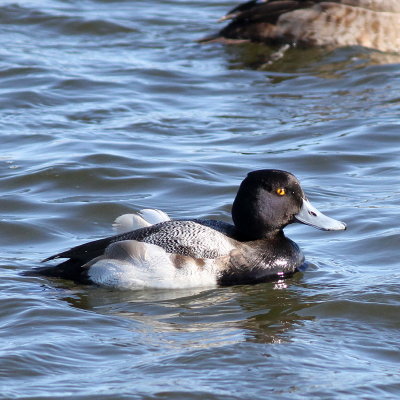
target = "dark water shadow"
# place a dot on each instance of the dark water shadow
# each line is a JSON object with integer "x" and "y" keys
{"x": 317, "y": 61}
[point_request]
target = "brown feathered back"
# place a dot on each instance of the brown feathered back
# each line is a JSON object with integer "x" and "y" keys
{"x": 369, "y": 23}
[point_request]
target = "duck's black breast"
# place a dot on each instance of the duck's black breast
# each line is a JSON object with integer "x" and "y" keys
{"x": 262, "y": 261}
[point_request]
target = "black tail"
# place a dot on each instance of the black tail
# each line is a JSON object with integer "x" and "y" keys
{"x": 77, "y": 257}
{"x": 70, "y": 269}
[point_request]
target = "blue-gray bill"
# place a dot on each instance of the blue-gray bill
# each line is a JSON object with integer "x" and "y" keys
{"x": 309, "y": 215}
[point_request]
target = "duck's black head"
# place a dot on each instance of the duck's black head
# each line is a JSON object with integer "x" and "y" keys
{"x": 270, "y": 199}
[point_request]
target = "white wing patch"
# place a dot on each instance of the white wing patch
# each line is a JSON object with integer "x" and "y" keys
{"x": 154, "y": 216}
{"x": 144, "y": 218}
{"x": 131, "y": 265}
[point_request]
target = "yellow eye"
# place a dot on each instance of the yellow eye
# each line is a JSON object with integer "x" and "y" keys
{"x": 281, "y": 191}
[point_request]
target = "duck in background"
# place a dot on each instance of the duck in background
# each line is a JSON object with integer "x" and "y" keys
{"x": 373, "y": 24}
{"x": 151, "y": 250}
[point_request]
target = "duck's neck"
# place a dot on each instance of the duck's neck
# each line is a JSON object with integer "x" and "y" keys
{"x": 247, "y": 236}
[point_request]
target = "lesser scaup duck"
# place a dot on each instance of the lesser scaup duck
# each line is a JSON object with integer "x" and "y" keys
{"x": 160, "y": 252}
{"x": 336, "y": 23}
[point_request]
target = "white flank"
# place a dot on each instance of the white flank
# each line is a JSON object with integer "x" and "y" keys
{"x": 136, "y": 265}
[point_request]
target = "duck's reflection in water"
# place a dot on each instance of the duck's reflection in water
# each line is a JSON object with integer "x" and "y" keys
{"x": 201, "y": 318}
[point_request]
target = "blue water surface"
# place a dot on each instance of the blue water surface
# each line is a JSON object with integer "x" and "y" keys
{"x": 110, "y": 106}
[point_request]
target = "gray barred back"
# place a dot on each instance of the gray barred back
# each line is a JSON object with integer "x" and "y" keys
{"x": 188, "y": 238}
